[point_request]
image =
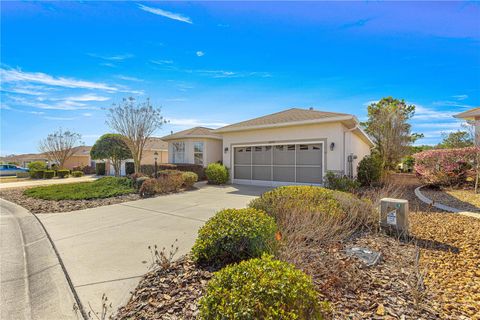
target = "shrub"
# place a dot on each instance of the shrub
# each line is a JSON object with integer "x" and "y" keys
{"x": 261, "y": 288}
{"x": 139, "y": 182}
{"x": 49, "y": 174}
{"x": 197, "y": 168}
{"x": 77, "y": 174}
{"x": 23, "y": 174}
{"x": 316, "y": 213}
{"x": 340, "y": 182}
{"x": 135, "y": 179}
{"x": 216, "y": 173}
{"x": 148, "y": 169}
{"x": 129, "y": 168}
{"x": 447, "y": 167}
{"x": 100, "y": 168}
{"x": 37, "y": 174}
{"x": 37, "y": 165}
{"x": 233, "y": 235}
{"x": 84, "y": 169}
{"x": 63, "y": 173}
{"x": 369, "y": 171}
{"x": 189, "y": 179}
{"x": 169, "y": 181}
{"x": 148, "y": 188}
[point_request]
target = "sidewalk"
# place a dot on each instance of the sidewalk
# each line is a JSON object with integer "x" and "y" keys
{"x": 34, "y": 183}
{"x": 33, "y": 284}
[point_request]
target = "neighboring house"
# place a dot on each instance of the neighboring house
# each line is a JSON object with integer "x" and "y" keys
{"x": 80, "y": 158}
{"x": 472, "y": 116}
{"x": 198, "y": 145}
{"x": 153, "y": 145}
{"x": 295, "y": 146}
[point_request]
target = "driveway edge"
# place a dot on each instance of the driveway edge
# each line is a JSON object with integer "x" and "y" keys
{"x": 440, "y": 206}
{"x": 23, "y": 216}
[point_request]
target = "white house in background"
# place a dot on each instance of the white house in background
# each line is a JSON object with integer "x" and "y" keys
{"x": 295, "y": 146}
{"x": 473, "y": 117}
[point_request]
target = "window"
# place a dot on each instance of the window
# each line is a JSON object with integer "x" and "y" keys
{"x": 198, "y": 152}
{"x": 178, "y": 152}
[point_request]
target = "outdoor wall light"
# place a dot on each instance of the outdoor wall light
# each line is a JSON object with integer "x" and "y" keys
{"x": 332, "y": 146}
{"x": 225, "y": 150}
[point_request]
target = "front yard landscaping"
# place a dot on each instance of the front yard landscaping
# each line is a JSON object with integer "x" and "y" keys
{"x": 463, "y": 199}
{"x": 430, "y": 276}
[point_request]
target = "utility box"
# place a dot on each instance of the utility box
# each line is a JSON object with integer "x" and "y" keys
{"x": 394, "y": 215}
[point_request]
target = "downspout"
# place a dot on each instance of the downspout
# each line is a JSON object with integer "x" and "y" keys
{"x": 344, "y": 151}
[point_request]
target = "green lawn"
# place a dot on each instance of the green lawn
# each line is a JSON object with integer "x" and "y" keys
{"x": 101, "y": 188}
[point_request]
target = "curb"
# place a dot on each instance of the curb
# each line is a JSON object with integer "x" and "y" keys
{"x": 22, "y": 220}
{"x": 440, "y": 206}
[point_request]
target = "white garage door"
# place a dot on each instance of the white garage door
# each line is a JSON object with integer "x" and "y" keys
{"x": 279, "y": 164}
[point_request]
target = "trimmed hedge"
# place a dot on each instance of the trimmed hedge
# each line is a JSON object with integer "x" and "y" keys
{"x": 261, "y": 288}
{"x": 23, "y": 174}
{"x": 37, "y": 165}
{"x": 100, "y": 168}
{"x": 189, "y": 179}
{"x": 197, "y": 168}
{"x": 37, "y": 174}
{"x": 49, "y": 174}
{"x": 233, "y": 235}
{"x": 216, "y": 173}
{"x": 63, "y": 173}
{"x": 77, "y": 174}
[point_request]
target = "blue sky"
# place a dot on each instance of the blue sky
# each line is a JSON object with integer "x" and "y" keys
{"x": 212, "y": 64}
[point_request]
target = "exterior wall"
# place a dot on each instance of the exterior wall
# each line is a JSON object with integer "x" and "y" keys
{"x": 77, "y": 161}
{"x": 212, "y": 150}
{"x": 326, "y": 132}
{"x": 149, "y": 157}
{"x": 360, "y": 149}
{"x": 477, "y": 131}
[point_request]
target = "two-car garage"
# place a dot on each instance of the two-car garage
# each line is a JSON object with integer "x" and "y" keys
{"x": 277, "y": 164}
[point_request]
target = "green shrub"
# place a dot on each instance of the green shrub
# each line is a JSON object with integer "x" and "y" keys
{"x": 49, "y": 174}
{"x": 139, "y": 182}
{"x": 216, "y": 173}
{"x": 197, "y": 168}
{"x": 37, "y": 174}
{"x": 63, "y": 173}
{"x": 101, "y": 188}
{"x": 148, "y": 188}
{"x": 369, "y": 171}
{"x": 100, "y": 168}
{"x": 148, "y": 169}
{"x": 340, "y": 182}
{"x": 77, "y": 174}
{"x": 233, "y": 235}
{"x": 37, "y": 165}
{"x": 129, "y": 168}
{"x": 261, "y": 288}
{"x": 189, "y": 179}
{"x": 23, "y": 174}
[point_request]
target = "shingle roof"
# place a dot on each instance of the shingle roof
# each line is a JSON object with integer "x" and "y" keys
{"x": 469, "y": 114}
{"x": 196, "y": 132}
{"x": 154, "y": 143}
{"x": 283, "y": 117}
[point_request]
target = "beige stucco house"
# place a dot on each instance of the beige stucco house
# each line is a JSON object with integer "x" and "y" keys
{"x": 472, "y": 116}
{"x": 295, "y": 146}
{"x": 79, "y": 158}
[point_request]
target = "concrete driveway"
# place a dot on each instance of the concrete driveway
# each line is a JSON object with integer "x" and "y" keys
{"x": 105, "y": 249}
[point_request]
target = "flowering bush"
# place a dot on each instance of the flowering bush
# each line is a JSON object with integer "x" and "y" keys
{"x": 447, "y": 167}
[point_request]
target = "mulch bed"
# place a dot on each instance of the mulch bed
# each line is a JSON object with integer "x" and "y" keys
{"x": 460, "y": 199}
{"x": 50, "y": 206}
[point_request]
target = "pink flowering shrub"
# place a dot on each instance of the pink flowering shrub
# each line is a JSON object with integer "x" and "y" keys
{"x": 447, "y": 167}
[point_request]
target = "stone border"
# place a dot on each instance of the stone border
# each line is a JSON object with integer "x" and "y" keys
{"x": 440, "y": 206}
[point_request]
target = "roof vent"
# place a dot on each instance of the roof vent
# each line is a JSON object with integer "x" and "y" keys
{"x": 311, "y": 108}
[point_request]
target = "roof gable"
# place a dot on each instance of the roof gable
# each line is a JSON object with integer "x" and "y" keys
{"x": 196, "y": 132}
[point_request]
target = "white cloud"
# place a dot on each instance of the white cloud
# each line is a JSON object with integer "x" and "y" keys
{"x": 166, "y": 14}
{"x": 161, "y": 62}
{"x": 195, "y": 123}
{"x": 200, "y": 53}
{"x": 460, "y": 97}
{"x": 128, "y": 78}
{"x": 86, "y": 97}
{"x": 452, "y": 104}
{"x": 422, "y": 113}
{"x": 176, "y": 99}
{"x": 118, "y": 57}
{"x": 87, "y": 114}
{"x": 57, "y": 105}
{"x": 58, "y": 118}
{"x": 14, "y": 75}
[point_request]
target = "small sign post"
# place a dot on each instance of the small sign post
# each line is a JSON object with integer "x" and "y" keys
{"x": 394, "y": 215}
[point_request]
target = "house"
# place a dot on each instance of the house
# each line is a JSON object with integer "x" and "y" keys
{"x": 294, "y": 146}
{"x": 80, "y": 158}
{"x": 152, "y": 146}
{"x": 472, "y": 116}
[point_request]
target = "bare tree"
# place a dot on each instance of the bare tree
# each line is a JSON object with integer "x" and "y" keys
{"x": 60, "y": 146}
{"x": 136, "y": 121}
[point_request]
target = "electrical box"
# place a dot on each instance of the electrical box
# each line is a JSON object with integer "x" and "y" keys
{"x": 394, "y": 215}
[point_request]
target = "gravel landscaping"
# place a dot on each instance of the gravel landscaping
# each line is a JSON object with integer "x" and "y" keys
{"x": 49, "y": 206}
{"x": 457, "y": 198}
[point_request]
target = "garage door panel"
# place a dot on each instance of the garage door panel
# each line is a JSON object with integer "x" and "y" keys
{"x": 284, "y": 174}
{"x": 309, "y": 154}
{"x": 309, "y": 175}
{"x": 284, "y": 155}
{"x": 262, "y": 173}
{"x": 243, "y": 156}
{"x": 243, "y": 172}
{"x": 262, "y": 155}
